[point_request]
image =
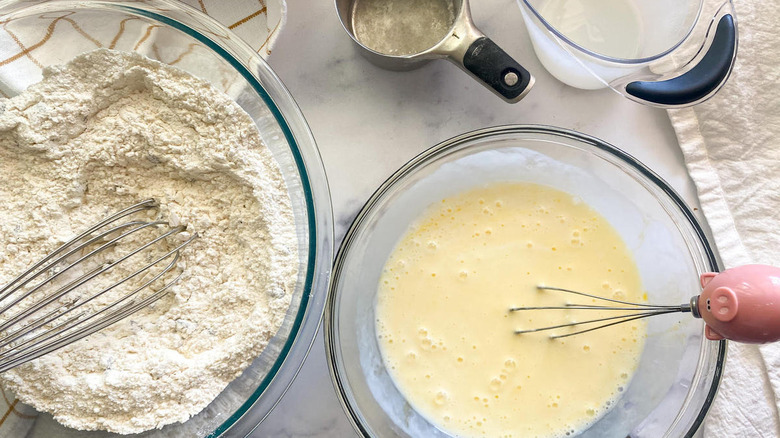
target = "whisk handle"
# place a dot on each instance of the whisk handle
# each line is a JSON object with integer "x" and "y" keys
{"x": 741, "y": 304}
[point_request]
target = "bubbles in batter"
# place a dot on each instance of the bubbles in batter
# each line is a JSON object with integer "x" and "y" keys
{"x": 466, "y": 261}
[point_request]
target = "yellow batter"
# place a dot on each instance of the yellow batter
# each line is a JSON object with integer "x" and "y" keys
{"x": 446, "y": 334}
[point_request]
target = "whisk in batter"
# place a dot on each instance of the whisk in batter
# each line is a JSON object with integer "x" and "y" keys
{"x": 741, "y": 304}
{"x": 630, "y": 312}
{"x": 448, "y": 341}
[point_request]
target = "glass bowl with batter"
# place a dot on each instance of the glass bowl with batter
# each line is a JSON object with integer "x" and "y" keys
{"x": 52, "y": 33}
{"x": 678, "y": 370}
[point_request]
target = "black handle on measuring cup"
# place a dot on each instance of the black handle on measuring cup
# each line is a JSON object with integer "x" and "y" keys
{"x": 486, "y": 61}
{"x": 697, "y": 83}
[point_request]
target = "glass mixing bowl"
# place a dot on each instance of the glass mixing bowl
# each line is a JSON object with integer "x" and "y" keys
{"x": 679, "y": 369}
{"x": 168, "y": 31}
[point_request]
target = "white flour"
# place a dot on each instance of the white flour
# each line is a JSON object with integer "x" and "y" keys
{"x": 99, "y": 134}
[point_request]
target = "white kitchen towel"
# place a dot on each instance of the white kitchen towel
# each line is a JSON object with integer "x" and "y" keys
{"x": 257, "y": 22}
{"x": 731, "y": 146}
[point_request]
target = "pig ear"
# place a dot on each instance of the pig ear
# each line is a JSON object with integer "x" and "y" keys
{"x": 711, "y": 334}
{"x": 706, "y": 277}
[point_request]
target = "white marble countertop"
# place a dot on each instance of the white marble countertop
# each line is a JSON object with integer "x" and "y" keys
{"x": 368, "y": 122}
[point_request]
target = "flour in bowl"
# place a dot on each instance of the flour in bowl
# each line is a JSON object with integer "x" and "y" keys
{"x": 105, "y": 131}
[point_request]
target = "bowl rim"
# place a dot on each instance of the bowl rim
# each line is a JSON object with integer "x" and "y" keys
{"x": 331, "y": 322}
{"x": 308, "y": 161}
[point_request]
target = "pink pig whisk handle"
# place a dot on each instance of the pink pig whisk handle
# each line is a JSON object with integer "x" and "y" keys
{"x": 740, "y": 304}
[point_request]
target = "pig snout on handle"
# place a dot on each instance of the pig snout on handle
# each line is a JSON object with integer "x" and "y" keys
{"x": 741, "y": 304}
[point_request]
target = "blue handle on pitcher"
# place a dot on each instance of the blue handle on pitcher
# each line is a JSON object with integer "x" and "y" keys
{"x": 701, "y": 80}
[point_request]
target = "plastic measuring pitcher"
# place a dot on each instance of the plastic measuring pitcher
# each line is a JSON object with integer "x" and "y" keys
{"x": 666, "y": 53}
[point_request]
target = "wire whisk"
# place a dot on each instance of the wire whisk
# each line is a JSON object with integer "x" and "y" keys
{"x": 739, "y": 304}
{"x": 117, "y": 267}
{"x": 630, "y": 312}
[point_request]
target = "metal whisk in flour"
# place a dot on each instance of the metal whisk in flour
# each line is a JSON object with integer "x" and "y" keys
{"x": 97, "y": 134}
{"x": 73, "y": 292}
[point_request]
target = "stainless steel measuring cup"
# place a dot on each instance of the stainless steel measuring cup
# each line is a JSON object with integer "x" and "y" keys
{"x": 460, "y": 42}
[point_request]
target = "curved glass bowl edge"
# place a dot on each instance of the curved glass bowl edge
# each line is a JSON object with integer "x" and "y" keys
{"x": 310, "y": 315}
{"x": 312, "y": 304}
{"x": 331, "y": 324}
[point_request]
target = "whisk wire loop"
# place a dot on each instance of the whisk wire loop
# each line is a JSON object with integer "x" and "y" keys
{"x": 141, "y": 206}
{"x": 628, "y": 303}
{"x": 27, "y": 335}
{"x": 41, "y": 347}
{"x": 638, "y": 311}
{"x": 84, "y": 278}
{"x": 62, "y": 311}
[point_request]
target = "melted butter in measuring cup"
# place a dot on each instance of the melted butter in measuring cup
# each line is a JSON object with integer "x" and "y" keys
{"x": 402, "y": 27}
